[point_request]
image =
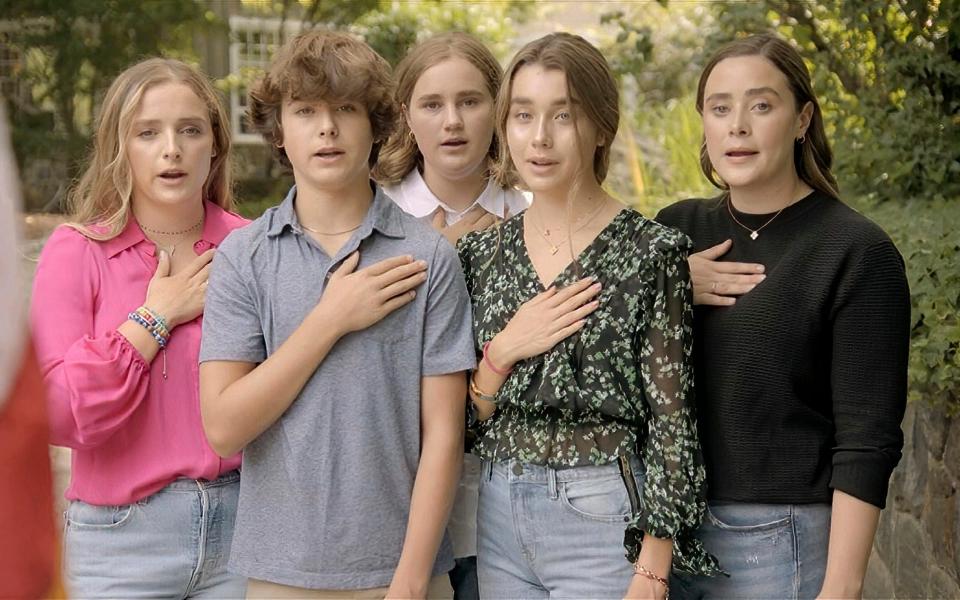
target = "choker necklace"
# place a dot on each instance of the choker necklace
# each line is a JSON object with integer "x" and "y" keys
{"x": 318, "y": 232}
{"x": 172, "y": 248}
{"x": 182, "y": 232}
{"x": 754, "y": 233}
{"x": 555, "y": 246}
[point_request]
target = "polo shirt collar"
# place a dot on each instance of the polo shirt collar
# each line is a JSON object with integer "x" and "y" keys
{"x": 383, "y": 215}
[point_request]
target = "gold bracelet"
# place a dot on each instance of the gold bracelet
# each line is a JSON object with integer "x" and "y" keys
{"x": 478, "y": 393}
{"x": 645, "y": 572}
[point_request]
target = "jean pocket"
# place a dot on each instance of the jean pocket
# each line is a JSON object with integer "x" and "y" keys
{"x": 90, "y": 516}
{"x": 747, "y": 519}
{"x": 602, "y": 500}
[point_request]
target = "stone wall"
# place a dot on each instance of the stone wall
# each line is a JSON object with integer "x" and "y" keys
{"x": 916, "y": 551}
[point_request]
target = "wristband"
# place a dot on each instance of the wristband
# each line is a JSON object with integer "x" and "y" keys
{"x": 493, "y": 367}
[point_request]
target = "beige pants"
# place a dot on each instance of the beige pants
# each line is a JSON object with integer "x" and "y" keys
{"x": 261, "y": 590}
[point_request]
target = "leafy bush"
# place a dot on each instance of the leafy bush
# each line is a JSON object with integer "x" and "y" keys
{"x": 926, "y": 234}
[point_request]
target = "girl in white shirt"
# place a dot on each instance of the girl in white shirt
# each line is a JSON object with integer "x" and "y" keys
{"x": 437, "y": 165}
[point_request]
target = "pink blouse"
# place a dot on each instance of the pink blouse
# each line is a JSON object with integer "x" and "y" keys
{"x": 132, "y": 431}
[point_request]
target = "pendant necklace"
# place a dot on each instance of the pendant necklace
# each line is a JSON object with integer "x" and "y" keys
{"x": 545, "y": 232}
{"x": 754, "y": 233}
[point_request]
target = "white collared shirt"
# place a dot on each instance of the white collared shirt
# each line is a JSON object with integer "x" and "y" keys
{"x": 415, "y": 198}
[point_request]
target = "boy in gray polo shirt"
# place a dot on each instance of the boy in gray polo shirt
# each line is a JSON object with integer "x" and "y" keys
{"x": 337, "y": 331}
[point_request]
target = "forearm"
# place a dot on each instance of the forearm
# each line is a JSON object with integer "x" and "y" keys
{"x": 489, "y": 381}
{"x": 852, "y": 528}
{"x": 140, "y": 338}
{"x": 656, "y": 558}
{"x": 239, "y": 412}
{"x": 434, "y": 491}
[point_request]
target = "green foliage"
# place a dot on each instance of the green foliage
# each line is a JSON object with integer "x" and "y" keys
{"x": 654, "y": 50}
{"x": 926, "y": 234}
{"x": 392, "y": 32}
{"x": 73, "y": 50}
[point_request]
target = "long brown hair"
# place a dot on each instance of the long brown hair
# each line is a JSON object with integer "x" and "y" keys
{"x": 589, "y": 80}
{"x": 103, "y": 194}
{"x": 812, "y": 157}
{"x": 400, "y": 154}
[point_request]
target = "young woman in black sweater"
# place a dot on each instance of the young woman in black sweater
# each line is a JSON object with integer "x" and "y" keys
{"x": 801, "y": 340}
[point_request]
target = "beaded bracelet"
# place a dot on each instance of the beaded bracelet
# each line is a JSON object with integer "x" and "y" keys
{"x": 489, "y": 363}
{"x": 645, "y": 572}
{"x": 151, "y": 329}
{"x": 154, "y": 320}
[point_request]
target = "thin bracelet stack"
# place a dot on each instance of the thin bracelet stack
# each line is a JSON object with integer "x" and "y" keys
{"x": 478, "y": 393}
{"x": 156, "y": 326}
{"x": 153, "y": 323}
{"x": 645, "y": 572}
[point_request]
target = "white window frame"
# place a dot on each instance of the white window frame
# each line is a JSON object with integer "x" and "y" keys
{"x": 269, "y": 28}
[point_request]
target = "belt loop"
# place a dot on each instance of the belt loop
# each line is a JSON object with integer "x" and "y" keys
{"x": 552, "y": 483}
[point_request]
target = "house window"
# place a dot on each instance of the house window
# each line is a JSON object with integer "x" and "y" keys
{"x": 253, "y": 40}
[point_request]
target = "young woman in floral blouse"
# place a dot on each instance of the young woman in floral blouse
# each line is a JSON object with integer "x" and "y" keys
{"x": 582, "y": 313}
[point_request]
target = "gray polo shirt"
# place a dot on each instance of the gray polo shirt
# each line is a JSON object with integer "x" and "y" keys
{"x": 325, "y": 491}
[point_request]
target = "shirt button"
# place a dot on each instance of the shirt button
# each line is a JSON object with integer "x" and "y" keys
{"x": 517, "y": 469}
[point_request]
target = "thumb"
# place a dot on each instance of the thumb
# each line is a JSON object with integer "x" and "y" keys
{"x": 163, "y": 265}
{"x": 438, "y": 220}
{"x": 348, "y": 266}
{"x": 715, "y": 252}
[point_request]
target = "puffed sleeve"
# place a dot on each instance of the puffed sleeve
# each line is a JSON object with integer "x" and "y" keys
{"x": 94, "y": 382}
{"x": 673, "y": 498}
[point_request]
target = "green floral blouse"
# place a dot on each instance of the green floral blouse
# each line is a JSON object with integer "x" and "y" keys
{"x": 622, "y": 385}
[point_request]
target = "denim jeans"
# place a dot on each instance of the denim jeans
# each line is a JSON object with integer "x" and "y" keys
{"x": 173, "y": 544}
{"x": 769, "y": 550}
{"x": 553, "y": 533}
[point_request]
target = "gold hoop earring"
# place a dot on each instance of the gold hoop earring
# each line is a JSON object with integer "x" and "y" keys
{"x": 802, "y": 139}
{"x": 413, "y": 138}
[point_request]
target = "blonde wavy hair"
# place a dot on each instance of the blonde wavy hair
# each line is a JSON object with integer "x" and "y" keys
{"x": 400, "y": 155}
{"x": 99, "y": 202}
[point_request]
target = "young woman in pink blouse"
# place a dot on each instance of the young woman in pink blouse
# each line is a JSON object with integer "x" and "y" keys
{"x": 116, "y": 313}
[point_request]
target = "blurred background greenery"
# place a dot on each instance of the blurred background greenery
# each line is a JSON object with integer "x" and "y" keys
{"x": 887, "y": 73}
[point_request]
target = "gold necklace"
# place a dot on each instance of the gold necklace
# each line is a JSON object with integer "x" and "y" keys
{"x": 311, "y": 229}
{"x": 754, "y": 233}
{"x": 555, "y": 246}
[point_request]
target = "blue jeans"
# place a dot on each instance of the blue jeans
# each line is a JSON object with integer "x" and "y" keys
{"x": 173, "y": 544}
{"x": 547, "y": 533}
{"x": 769, "y": 550}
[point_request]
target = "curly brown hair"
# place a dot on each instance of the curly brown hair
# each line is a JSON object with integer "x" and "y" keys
{"x": 324, "y": 65}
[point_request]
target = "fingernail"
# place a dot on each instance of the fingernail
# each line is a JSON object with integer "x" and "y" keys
{"x": 422, "y": 263}
{"x": 762, "y": 277}
{"x": 759, "y": 268}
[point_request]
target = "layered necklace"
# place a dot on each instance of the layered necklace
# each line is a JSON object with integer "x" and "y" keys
{"x": 179, "y": 235}
{"x": 580, "y": 223}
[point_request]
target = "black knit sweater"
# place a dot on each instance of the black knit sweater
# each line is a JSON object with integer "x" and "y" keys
{"x": 801, "y": 385}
